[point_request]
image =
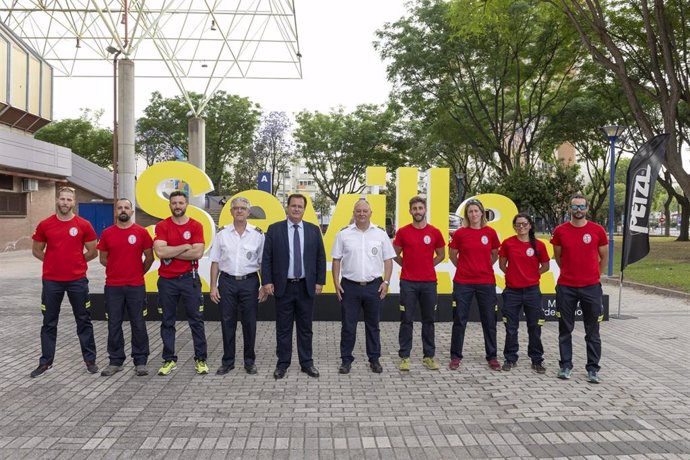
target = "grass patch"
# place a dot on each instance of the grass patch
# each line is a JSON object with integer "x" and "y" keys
{"x": 667, "y": 264}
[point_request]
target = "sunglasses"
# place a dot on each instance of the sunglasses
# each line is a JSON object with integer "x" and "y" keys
{"x": 576, "y": 207}
{"x": 521, "y": 224}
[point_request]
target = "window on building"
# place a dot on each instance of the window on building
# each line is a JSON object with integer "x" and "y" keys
{"x": 12, "y": 204}
{"x": 6, "y": 182}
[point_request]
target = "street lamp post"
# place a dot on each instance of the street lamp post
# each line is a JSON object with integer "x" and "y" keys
{"x": 613, "y": 132}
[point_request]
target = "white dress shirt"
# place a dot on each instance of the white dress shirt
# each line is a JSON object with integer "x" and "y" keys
{"x": 362, "y": 253}
{"x": 238, "y": 255}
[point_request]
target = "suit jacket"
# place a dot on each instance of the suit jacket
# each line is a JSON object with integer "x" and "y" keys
{"x": 276, "y": 257}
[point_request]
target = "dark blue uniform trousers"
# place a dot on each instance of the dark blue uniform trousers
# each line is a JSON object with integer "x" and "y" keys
{"x": 413, "y": 293}
{"x": 170, "y": 290}
{"x": 51, "y": 299}
{"x": 356, "y": 296}
{"x": 238, "y": 298}
{"x": 294, "y": 306}
{"x": 131, "y": 299}
{"x": 592, "y": 314}
{"x": 514, "y": 300}
{"x": 486, "y": 301}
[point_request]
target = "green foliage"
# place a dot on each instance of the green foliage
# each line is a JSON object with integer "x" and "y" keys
{"x": 83, "y": 136}
{"x": 338, "y": 147}
{"x": 230, "y": 124}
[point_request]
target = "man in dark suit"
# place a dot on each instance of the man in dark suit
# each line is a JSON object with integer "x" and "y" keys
{"x": 293, "y": 269}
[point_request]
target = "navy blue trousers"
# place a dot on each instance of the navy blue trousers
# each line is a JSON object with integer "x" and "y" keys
{"x": 238, "y": 299}
{"x": 567, "y": 299}
{"x": 412, "y": 294}
{"x": 514, "y": 300}
{"x": 130, "y": 299}
{"x": 366, "y": 298}
{"x": 294, "y": 307}
{"x": 51, "y": 300}
{"x": 486, "y": 301}
{"x": 170, "y": 291}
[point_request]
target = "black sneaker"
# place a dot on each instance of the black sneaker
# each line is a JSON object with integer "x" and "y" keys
{"x": 91, "y": 367}
{"x": 345, "y": 368}
{"x": 508, "y": 365}
{"x": 539, "y": 368}
{"x": 40, "y": 370}
{"x": 223, "y": 369}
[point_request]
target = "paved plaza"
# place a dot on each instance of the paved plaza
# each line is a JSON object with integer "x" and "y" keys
{"x": 641, "y": 409}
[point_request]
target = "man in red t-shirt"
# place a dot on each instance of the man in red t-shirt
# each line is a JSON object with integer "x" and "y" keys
{"x": 59, "y": 241}
{"x": 120, "y": 251}
{"x": 419, "y": 247}
{"x": 179, "y": 244}
{"x": 581, "y": 251}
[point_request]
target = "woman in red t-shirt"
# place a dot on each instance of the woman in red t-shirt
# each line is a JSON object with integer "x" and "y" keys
{"x": 523, "y": 259}
{"x": 474, "y": 250}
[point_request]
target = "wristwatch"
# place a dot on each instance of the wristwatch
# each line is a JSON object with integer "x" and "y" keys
{"x": 387, "y": 282}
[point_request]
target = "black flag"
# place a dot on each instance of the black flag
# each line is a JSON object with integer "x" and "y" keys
{"x": 639, "y": 193}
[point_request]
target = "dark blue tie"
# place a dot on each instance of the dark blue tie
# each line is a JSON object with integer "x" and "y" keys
{"x": 297, "y": 253}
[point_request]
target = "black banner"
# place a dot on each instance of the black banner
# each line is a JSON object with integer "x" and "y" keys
{"x": 639, "y": 193}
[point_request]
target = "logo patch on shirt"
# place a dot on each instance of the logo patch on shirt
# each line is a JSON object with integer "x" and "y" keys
{"x": 529, "y": 252}
{"x": 485, "y": 240}
{"x": 249, "y": 255}
{"x": 73, "y": 231}
{"x": 374, "y": 251}
{"x": 132, "y": 239}
{"x": 187, "y": 235}
{"x": 427, "y": 239}
{"x": 587, "y": 238}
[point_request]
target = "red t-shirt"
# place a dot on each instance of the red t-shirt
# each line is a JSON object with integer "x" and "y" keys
{"x": 124, "y": 247}
{"x": 523, "y": 262}
{"x": 64, "y": 256}
{"x": 176, "y": 235}
{"x": 579, "y": 253}
{"x": 474, "y": 247}
{"x": 419, "y": 249}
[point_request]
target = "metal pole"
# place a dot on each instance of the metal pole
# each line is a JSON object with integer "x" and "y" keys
{"x": 115, "y": 140}
{"x": 612, "y": 179}
{"x": 620, "y": 294}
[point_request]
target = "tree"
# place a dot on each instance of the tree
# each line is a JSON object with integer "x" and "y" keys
{"x": 490, "y": 70}
{"x": 230, "y": 124}
{"x": 322, "y": 205}
{"x": 273, "y": 149}
{"x": 644, "y": 46}
{"x": 83, "y": 136}
{"x": 338, "y": 147}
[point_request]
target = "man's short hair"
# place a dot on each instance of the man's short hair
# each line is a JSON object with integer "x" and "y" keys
{"x": 125, "y": 199}
{"x": 297, "y": 195}
{"x": 66, "y": 189}
{"x": 239, "y": 199}
{"x": 578, "y": 196}
{"x": 417, "y": 199}
{"x": 178, "y": 193}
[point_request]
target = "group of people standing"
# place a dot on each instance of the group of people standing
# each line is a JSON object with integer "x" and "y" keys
{"x": 288, "y": 261}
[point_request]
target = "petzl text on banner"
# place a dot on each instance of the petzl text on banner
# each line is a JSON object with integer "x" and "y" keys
{"x": 639, "y": 193}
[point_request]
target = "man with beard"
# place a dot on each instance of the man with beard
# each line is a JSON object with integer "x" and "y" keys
{"x": 120, "y": 251}
{"x": 59, "y": 242}
{"x": 419, "y": 247}
{"x": 581, "y": 251}
{"x": 179, "y": 243}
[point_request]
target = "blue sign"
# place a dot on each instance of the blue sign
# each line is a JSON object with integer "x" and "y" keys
{"x": 264, "y": 182}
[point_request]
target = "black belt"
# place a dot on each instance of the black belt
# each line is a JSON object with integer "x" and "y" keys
{"x": 188, "y": 274}
{"x": 365, "y": 283}
{"x": 239, "y": 278}
{"x": 295, "y": 280}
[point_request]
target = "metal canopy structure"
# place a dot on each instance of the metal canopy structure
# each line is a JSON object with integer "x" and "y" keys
{"x": 197, "y": 43}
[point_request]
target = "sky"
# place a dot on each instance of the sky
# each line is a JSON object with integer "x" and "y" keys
{"x": 339, "y": 67}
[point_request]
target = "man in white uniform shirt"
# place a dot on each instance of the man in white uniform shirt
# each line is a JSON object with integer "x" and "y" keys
{"x": 363, "y": 254}
{"x": 235, "y": 262}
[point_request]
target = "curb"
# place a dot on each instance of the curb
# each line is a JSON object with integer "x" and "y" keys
{"x": 647, "y": 288}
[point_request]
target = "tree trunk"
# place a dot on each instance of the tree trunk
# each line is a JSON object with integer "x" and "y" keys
{"x": 684, "y": 220}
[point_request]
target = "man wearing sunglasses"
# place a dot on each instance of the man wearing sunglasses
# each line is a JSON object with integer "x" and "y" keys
{"x": 581, "y": 251}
